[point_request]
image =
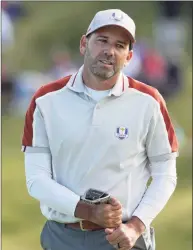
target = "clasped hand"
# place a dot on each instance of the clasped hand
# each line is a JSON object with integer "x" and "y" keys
{"x": 122, "y": 235}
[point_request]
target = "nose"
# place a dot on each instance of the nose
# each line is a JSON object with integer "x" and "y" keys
{"x": 109, "y": 51}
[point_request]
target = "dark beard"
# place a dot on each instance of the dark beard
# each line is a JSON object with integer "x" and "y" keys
{"x": 96, "y": 69}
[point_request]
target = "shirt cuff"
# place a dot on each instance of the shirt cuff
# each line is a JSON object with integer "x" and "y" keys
{"x": 144, "y": 216}
{"x": 72, "y": 203}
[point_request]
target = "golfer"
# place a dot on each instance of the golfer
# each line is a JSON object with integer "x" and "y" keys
{"x": 93, "y": 140}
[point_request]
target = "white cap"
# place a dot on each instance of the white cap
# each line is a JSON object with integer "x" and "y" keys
{"x": 112, "y": 17}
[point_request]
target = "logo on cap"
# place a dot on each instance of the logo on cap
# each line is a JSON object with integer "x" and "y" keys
{"x": 117, "y": 16}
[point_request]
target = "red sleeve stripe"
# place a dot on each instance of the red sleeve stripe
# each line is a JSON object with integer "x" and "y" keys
{"x": 155, "y": 94}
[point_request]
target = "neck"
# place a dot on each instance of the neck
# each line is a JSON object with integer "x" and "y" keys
{"x": 95, "y": 83}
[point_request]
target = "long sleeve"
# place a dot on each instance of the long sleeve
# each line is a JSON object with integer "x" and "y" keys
{"x": 161, "y": 147}
{"x": 158, "y": 193}
{"x": 38, "y": 166}
{"x": 42, "y": 187}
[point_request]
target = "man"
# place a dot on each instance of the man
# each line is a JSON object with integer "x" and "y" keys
{"x": 100, "y": 130}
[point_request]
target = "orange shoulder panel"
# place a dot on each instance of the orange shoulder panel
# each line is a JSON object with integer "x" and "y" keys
{"x": 50, "y": 87}
{"x": 157, "y": 96}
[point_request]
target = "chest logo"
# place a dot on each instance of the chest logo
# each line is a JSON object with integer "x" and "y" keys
{"x": 122, "y": 133}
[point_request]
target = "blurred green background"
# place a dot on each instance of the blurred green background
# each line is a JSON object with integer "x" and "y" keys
{"x": 62, "y": 24}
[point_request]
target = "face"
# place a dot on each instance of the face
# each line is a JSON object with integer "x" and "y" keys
{"x": 106, "y": 51}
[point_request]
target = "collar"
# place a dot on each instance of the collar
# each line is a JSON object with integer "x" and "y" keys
{"x": 76, "y": 83}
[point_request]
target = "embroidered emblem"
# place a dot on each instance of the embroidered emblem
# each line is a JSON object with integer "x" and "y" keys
{"x": 117, "y": 16}
{"x": 122, "y": 133}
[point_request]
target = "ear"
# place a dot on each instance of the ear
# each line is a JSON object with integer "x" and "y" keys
{"x": 129, "y": 56}
{"x": 83, "y": 45}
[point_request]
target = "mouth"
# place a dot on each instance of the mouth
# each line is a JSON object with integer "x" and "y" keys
{"x": 105, "y": 62}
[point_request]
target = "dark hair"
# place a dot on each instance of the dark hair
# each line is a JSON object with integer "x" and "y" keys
{"x": 130, "y": 45}
{"x": 88, "y": 36}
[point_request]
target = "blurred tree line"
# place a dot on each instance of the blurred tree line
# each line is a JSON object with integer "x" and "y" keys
{"x": 49, "y": 25}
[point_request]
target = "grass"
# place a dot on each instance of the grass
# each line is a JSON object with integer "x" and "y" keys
{"x": 21, "y": 219}
{"x": 174, "y": 224}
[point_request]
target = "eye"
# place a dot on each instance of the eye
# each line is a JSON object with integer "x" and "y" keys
{"x": 120, "y": 46}
{"x": 102, "y": 40}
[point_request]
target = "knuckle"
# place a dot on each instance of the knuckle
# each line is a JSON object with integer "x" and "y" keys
{"x": 116, "y": 214}
{"x": 119, "y": 211}
{"x": 120, "y": 214}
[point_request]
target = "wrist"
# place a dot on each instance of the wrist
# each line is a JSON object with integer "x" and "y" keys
{"x": 84, "y": 211}
{"x": 137, "y": 224}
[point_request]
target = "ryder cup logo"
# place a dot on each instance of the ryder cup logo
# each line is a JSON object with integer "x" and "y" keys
{"x": 118, "y": 16}
{"x": 121, "y": 132}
